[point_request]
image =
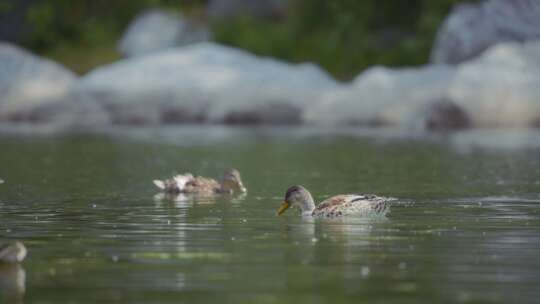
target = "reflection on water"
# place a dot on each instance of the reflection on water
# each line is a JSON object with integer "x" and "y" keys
{"x": 465, "y": 229}
{"x": 12, "y": 283}
{"x": 183, "y": 199}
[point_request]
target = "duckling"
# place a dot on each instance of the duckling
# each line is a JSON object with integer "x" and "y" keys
{"x": 187, "y": 183}
{"x": 12, "y": 253}
{"x": 336, "y": 206}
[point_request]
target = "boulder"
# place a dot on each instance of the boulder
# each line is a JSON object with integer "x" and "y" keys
{"x": 501, "y": 88}
{"x": 155, "y": 30}
{"x": 472, "y": 28}
{"x": 385, "y": 96}
{"x": 29, "y": 82}
{"x": 204, "y": 82}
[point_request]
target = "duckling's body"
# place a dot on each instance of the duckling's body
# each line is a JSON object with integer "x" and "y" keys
{"x": 198, "y": 185}
{"x": 336, "y": 206}
{"x": 12, "y": 253}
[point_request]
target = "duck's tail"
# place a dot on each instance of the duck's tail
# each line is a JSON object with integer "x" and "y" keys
{"x": 380, "y": 207}
{"x": 159, "y": 183}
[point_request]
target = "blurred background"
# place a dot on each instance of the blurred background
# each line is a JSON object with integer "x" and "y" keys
{"x": 342, "y": 36}
{"x": 412, "y": 65}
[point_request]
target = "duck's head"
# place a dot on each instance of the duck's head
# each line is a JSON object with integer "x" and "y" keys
{"x": 13, "y": 253}
{"x": 297, "y": 196}
{"x": 232, "y": 182}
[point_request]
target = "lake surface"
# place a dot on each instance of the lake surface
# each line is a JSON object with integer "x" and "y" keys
{"x": 466, "y": 228}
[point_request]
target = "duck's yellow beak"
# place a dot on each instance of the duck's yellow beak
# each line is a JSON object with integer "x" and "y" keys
{"x": 284, "y": 206}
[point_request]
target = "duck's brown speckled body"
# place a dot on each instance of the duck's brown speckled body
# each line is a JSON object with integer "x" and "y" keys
{"x": 198, "y": 185}
{"x": 336, "y": 206}
{"x": 360, "y": 204}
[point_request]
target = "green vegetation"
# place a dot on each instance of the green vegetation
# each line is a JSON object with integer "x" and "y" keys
{"x": 344, "y": 36}
{"x": 83, "y": 34}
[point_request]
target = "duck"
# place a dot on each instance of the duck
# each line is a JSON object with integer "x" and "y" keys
{"x": 335, "y": 206}
{"x": 230, "y": 183}
{"x": 12, "y": 252}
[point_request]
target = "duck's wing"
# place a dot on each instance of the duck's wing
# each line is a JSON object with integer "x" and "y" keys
{"x": 353, "y": 204}
{"x": 199, "y": 184}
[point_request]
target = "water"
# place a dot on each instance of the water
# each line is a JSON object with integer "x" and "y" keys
{"x": 465, "y": 230}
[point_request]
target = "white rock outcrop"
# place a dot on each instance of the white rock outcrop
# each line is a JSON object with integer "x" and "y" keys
{"x": 155, "y": 30}
{"x": 472, "y": 28}
{"x": 28, "y": 82}
{"x": 205, "y": 82}
{"x": 210, "y": 83}
{"x": 384, "y": 96}
{"x": 501, "y": 88}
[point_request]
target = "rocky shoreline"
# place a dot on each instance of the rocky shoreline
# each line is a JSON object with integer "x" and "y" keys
{"x": 496, "y": 84}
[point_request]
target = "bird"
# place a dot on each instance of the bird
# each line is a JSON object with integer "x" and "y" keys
{"x": 13, "y": 252}
{"x": 187, "y": 183}
{"x": 335, "y": 206}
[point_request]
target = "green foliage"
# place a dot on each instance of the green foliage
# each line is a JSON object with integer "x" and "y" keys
{"x": 5, "y": 7}
{"x": 83, "y": 34}
{"x": 344, "y": 36}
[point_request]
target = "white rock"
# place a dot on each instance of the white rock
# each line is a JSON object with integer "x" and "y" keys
{"x": 384, "y": 96}
{"x": 501, "y": 88}
{"x": 204, "y": 82}
{"x": 472, "y": 28}
{"x": 155, "y": 30}
{"x": 28, "y": 81}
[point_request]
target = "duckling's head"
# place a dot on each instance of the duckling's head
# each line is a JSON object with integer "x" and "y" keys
{"x": 232, "y": 182}
{"x": 297, "y": 196}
